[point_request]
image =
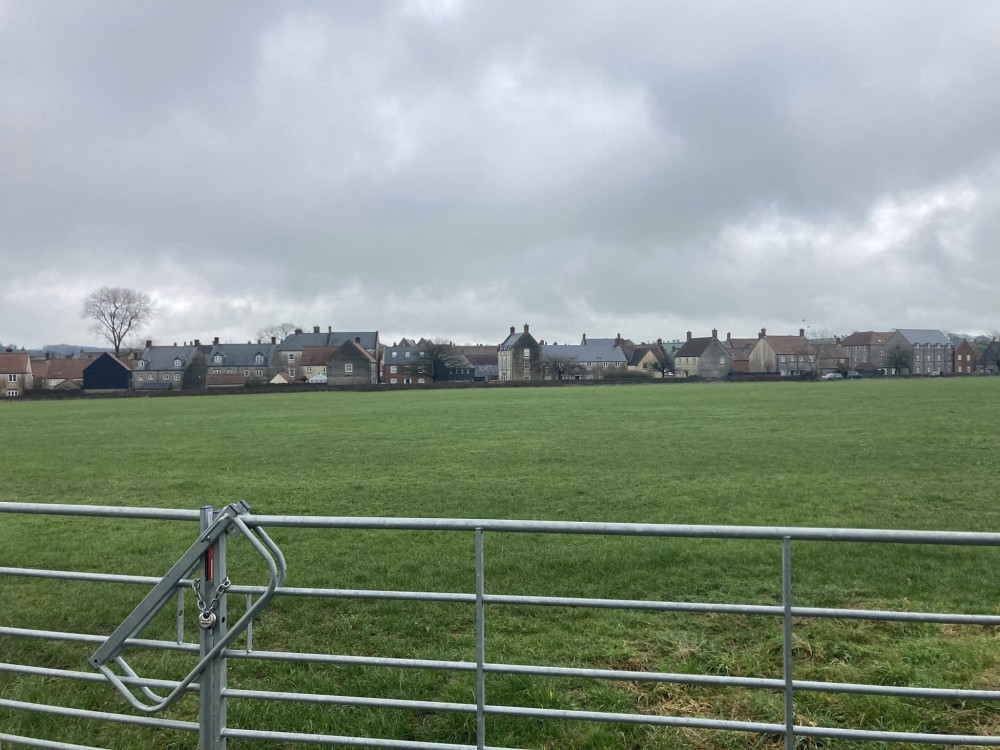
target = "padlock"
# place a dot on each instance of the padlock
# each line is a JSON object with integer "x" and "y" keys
{"x": 206, "y": 620}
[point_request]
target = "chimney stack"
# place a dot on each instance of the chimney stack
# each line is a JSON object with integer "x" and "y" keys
{"x": 584, "y": 339}
{"x": 298, "y": 330}
{"x": 9, "y": 350}
{"x": 689, "y": 335}
{"x": 802, "y": 332}
{"x": 618, "y": 339}
{"x": 215, "y": 341}
{"x": 47, "y": 354}
{"x": 357, "y": 340}
{"x": 525, "y": 327}
{"x": 715, "y": 333}
{"x": 149, "y": 343}
{"x": 512, "y": 329}
{"x": 329, "y": 329}
{"x": 315, "y": 329}
{"x": 729, "y": 336}
{"x": 274, "y": 340}
{"x": 660, "y": 342}
{"x": 762, "y": 334}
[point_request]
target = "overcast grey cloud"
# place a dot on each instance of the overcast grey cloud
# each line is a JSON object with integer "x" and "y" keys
{"x": 448, "y": 167}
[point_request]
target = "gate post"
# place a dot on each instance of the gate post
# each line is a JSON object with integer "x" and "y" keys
{"x": 212, "y": 704}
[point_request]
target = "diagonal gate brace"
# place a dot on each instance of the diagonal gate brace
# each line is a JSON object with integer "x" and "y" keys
{"x": 229, "y": 519}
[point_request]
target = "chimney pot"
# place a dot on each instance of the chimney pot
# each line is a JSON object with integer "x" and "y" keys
{"x": 584, "y": 339}
{"x": 512, "y": 329}
{"x": 715, "y": 333}
{"x": 274, "y": 339}
{"x": 659, "y": 341}
{"x": 802, "y": 332}
{"x": 329, "y": 329}
{"x": 689, "y": 335}
{"x": 525, "y": 327}
{"x": 197, "y": 342}
{"x": 762, "y": 334}
{"x": 215, "y": 341}
{"x": 149, "y": 343}
{"x": 357, "y": 339}
{"x": 298, "y": 330}
{"x": 47, "y": 354}
{"x": 315, "y": 329}
{"x": 729, "y": 336}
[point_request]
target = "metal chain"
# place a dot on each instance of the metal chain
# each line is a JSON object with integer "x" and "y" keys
{"x": 211, "y": 607}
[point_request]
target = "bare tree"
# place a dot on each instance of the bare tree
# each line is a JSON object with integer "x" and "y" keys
{"x": 825, "y": 352}
{"x": 439, "y": 360}
{"x": 117, "y": 312}
{"x": 280, "y": 331}
{"x": 664, "y": 363}
{"x": 562, "y": 367}
{"x": 897, "y": 358}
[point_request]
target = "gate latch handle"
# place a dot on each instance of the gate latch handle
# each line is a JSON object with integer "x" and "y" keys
{"x": 232, "y": 517}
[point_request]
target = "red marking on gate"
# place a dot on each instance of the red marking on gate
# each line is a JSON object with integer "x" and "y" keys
{"x": 210, "y": 564}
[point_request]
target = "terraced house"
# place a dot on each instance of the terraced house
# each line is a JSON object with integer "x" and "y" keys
{"x": 234, "y": 365}
{"x": 290, "y": 350}
{"x": 170, "y": 368}
{"x": 596, "y": 360}
{"x": 868, "y": 351}
{"x": 931, "y": 351}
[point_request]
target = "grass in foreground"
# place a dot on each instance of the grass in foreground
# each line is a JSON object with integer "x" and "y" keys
{"x": 915, "y": 454}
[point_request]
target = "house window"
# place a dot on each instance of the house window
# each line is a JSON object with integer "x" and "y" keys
{"x": 394, "y": 354}
{"x": 259, "y": 358}
{"x": 323, "y": 369}
{"x": 246, "y": 373}
{"x": 177, "y": 362}
{"x": 407, "y": 354}
{"x": 12, "y": 378}
{"x": 139, "y": 376}
{"x": 260, "y": 373}
{"x": 392, "y": 369}
{"x": 140, "y": 364}
{"x": 527, "y": 352}
{"x": 166, "y": 376}
{"x": 291, "y": 372}
{"x": 407, "y": 381}
{"x": 177, "y": 377}
{"x": 527, "y": 377}
{"x": 11, "y": 394}
{"x": 348, "y": 367}
{"x": 618, "y": 364}
{"x": 291, "y": 357}
{"x": 216, "y": 371}
{"x": 309, "y": 370}
{"x": 229, "y": 371}
{"x": 217, "y": 358}
{"x": 420, "y": 380}
{"x": 393, "y": 381}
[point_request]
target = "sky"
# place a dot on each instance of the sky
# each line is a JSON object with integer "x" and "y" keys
{"x": 448, "y": 168}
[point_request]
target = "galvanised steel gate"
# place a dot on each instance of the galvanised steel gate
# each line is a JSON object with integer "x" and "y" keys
{"x": 212, "y": 589}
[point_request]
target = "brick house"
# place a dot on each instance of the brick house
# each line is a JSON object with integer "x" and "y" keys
{"x": 290, "y": 350}
{"x": 519, "y": 357}
{"x": 703, "y": 357}
{"x": 170, "y": 368}
{"x": 402, "y": 365}
{"x": 965, "y": 358}
{"x": 231, "y": 365}
{"x": 15, "y": 370}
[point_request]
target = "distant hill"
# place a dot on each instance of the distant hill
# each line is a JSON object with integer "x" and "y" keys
{"x": 71, "y": 348}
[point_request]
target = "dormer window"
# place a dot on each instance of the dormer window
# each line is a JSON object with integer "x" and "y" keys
{"x": 217, "y": 358}
{"x": 259, "y": 358}
{"x": 177, "y": 362}
{"x": 141, "y": 364}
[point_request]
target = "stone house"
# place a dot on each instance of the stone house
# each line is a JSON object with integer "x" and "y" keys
{"x": 231, "y": 365}
{"x": 15, "y": 371}
{"x": 519, "y": 357}
{"x": 312, "y": 362}
{"x": 784, "y": 355}
{"x": 595, "y": 360}
{"x": 965, "y": 358}
{"x": 703, "y": 357}
{"x": 352, "y": 364}
{"x": 931, "y": 351}
{"x": 59, "y": 373}
{"x": 170, "y": 368}
{"x": 290, "y": 350}
{"x": 645, "y": 358}
{"x": 868, "y": 351}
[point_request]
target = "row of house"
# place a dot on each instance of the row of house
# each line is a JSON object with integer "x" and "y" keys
{"x": 360, "y": 358}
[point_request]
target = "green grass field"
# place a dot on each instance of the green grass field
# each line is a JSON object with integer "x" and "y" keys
{"x": 920, "y": 454}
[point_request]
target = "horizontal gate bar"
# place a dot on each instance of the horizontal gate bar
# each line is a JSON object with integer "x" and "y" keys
{"x": 818, "y": 534}
{"x": 83, "y": 713}
{"x": 101, "y": 511}
{"x": 938, "y": 618}
{"x": 56, "y": 635}
{"x": 323, "y": 739}
{"x": 51, "y": 744}
{"x": 89, "y": 676}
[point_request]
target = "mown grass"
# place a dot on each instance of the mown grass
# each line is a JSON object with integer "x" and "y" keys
{"x": 896, "y": 454}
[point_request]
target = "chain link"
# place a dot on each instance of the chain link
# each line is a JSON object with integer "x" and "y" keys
{"x": 207, "y": 609}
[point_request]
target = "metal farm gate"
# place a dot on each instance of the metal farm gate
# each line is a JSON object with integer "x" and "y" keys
{"x": 207, "y": 555}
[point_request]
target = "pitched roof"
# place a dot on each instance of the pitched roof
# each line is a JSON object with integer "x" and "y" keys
{"x": 298, "y": 341}
{"x": 867, "y": 338}
{"x": 788, "y": 344}
{"x": 605, "y": 342}
{"x": 163, "y": 357}
{"x": 478, "y": 354}
{"x": 241, "y": 355}
{"x": 924, "y": 336}
{"x": 64, "y": 369}
{"x": 396, "y": 354}
{"x": 316, "y": 355}
{"x": 511, "y": 341}
{"x": 695, "y": 347}
{"x": 14, "y": 362}
{"x": 224, "y": 379}
{"x": 585, "y": 353}
{"x": 639, "y": 353}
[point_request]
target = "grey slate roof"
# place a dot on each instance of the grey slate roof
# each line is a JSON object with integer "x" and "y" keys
{"x": 924, "y": 336}
{"x": 163, "y": 357}
{"x": 240, "y": 355}
{"x": 397, "y": 354}
{"x": 487, "y": 371}
{"x": 590, "y": 352}
{"x": 295, "y": 341}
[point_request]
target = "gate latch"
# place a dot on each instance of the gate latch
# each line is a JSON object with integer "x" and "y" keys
{"x": 232, "y": 518}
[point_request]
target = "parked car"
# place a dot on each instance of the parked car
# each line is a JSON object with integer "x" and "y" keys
{"x": 854, "y": 375}
{"x": 833, "y": 376}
